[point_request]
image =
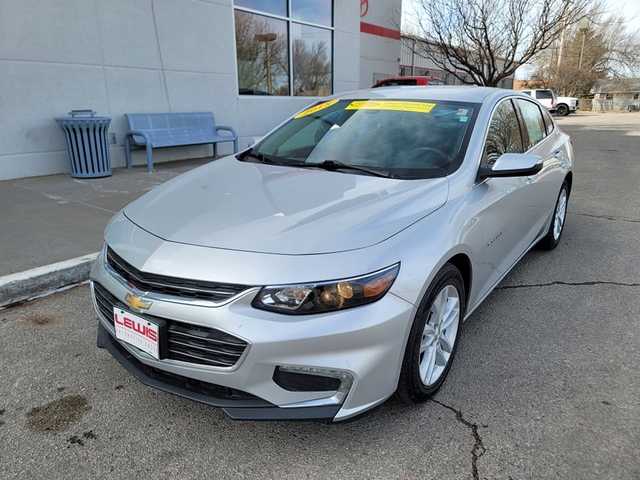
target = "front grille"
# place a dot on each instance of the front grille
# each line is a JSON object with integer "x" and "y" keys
{"x": 205, "y": 392}
{"x": 186, "y": 343}
{"x": 175, "y": 287}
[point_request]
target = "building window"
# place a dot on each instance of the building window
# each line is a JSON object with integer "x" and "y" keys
{"x": 608, "y": 96}
{"x": 284, "y": 47}
{"x": 636, "y": 96}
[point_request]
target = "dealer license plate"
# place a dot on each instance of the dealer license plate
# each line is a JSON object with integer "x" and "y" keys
{"x": 137, "y": 331}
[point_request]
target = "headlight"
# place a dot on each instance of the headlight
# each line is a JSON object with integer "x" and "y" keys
{"x": 320, "y": 297}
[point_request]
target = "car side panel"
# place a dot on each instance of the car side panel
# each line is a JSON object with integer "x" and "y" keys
{"x": 455, "y": 228}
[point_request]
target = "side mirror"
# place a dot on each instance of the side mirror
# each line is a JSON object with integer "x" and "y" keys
{"x": 512, "y": 165}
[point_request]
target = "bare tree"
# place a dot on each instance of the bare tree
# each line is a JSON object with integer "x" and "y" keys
{"x": 484, "y": 41}
{"x": 311, "y": 68}
{"x": 599, "y": 47}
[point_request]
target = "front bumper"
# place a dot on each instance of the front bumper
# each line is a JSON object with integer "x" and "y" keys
{"x": 366, "y": 343}
{"x": 233, "y": 403}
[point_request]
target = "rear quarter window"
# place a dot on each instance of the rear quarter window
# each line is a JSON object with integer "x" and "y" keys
{"x": 548, "y": 121}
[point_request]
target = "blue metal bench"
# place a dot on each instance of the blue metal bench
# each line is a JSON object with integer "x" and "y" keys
{"x": 154, "y": 130}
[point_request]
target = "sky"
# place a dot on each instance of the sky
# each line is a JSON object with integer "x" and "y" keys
{"x": 630, "y": 8}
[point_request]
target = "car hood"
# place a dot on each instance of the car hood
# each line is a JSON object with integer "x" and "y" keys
{"x": 253, "y": 207}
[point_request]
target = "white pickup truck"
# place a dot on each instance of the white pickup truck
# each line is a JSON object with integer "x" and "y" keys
{"x": 566, "y": 105}
{"x": 558, "y": 105}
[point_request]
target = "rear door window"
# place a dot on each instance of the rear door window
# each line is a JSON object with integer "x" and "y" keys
{"x": 534, "y": 128}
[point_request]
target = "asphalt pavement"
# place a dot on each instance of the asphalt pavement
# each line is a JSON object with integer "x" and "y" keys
{"x": 545, "y": 384}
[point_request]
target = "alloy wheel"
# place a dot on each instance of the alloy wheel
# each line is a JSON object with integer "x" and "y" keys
{"x": 561, "y": 212}
{"x": 439, "y": 335}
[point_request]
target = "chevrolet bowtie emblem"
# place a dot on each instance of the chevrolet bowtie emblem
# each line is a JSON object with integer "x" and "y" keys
{"x": 136, "y": 303}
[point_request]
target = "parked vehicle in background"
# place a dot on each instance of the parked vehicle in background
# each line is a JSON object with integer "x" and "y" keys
{"x": 566, "y": 105}
{"x": 559, "y": 105}
{"x": 410, "y": 80}
{"x": 545, "y": 96}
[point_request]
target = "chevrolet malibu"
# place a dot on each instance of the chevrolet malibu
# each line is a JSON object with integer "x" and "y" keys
{"x": 331, "y": 265}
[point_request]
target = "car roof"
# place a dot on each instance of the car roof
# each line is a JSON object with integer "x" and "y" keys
{"x": 462, "y": 93}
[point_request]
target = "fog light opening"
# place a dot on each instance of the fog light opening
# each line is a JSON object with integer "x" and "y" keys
{"x": 312, "y": 379}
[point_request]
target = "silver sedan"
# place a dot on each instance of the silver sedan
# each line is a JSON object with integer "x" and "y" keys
{"x": 330, "y": 266}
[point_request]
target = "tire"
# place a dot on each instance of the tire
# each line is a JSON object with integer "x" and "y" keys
{"x": 430, "y": 347}
{"x": 562, "y": 110}
{"x": 552, "y": 238}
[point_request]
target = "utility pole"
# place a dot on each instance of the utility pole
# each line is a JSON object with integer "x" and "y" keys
{"x": 564, "y": 28}
{"x": 413, "y": 57}
{"x": 584, "y": 27}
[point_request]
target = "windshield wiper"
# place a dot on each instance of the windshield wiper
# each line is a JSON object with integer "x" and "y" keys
{"x": 261, "y": 157}
{"x": 333, "y": 165}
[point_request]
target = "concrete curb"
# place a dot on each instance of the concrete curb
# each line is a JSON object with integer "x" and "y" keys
{"x": 37, "y": 281}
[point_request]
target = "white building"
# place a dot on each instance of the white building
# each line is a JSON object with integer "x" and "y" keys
{"x": 145, "y": 56}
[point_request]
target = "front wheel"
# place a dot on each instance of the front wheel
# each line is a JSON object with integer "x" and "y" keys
{"x": 433, "y": 338}
{"x": 552, "y": 238}
{"x": 562, "y": 110}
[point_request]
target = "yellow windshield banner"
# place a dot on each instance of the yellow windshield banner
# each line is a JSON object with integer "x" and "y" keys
{"x": 419, "y": 107}
{"x": 316, "y": 108}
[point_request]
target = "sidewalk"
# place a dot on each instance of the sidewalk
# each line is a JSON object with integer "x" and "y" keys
{"x": 52, "y": 226}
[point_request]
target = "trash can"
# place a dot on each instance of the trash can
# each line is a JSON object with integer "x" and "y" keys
{"x": 87, "y": 143}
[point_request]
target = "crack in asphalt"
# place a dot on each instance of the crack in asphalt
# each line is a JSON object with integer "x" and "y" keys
{"x": 607, "y": 217}
{"x": 478, "y": 447}
{"x": 571, "y": 284}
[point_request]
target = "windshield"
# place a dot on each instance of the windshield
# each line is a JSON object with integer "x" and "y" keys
{"x": 406, "y": 139}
